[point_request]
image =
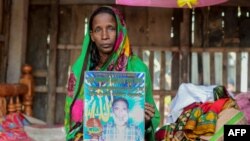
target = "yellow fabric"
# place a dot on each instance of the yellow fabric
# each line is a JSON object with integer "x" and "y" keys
{"x": 200, "y": 124}
{"x": 189, "y": 3}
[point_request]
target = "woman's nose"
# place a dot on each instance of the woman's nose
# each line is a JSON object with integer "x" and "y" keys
{"x": 105, "y": 34}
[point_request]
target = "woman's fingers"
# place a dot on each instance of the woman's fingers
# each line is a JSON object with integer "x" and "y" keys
{"x": 149, "y": 108}
{"x": 147, "y": 117}
{"x": 149, "y": 111}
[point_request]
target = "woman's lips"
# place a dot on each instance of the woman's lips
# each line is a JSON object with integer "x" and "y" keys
{"x": 106, "y": 45}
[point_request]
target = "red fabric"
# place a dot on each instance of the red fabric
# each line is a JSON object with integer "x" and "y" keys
{"x": 11, "y": 128}
{"x": 191, "y": 106}
{"x": 160, "y": 135}
{"x": 215, "y": 106}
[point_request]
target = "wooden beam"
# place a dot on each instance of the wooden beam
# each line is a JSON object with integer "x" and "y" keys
{"x": 1, "y": 44}
{"x": 51, "y": 111}
{"x": 238, "y": 72}
{"x": 224, "y": 69}
{"x": 244, "y": 3}
{"x": 185, "y": 45}
{"x": 43, "y": 89}
{"x": 150, "y": 48}
{"x": 39, "y": 2}
{"x": 87, "y": 1}
{"x": 151, "y": 64}
{"x": 221, "y": 49}
{"x": 47, "y": 2}
{"x": 162, "y": 85}
{"x": 40, "y": 73}
{"x": 2, "y": 38}
{"x": 171, "y": 93}
{"x": 212, "y": 69}
{"x": 175, "y": 62}
{"x": 169, "y": 48}
{"x": 5, "y": 45}
{"x": 17, "y": 39}
{"x": 1, "y": 17}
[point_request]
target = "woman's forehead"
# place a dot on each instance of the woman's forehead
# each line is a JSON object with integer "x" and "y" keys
{"x": 101, "y": 17}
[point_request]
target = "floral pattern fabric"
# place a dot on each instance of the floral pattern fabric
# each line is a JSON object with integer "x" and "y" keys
{"x": 11, "y": 128}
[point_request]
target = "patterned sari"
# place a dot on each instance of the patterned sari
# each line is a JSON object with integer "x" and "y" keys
{"x": 121, "y": 59}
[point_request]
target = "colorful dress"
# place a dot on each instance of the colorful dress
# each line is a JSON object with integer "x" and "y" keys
{"x": 122, "y": 59}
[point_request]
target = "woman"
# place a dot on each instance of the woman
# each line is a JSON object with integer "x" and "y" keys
{"x": 105, "y": 48}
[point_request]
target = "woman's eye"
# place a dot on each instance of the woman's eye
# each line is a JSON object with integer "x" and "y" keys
{"x": 111, "y": 28}
{"x": 97, "y": 30}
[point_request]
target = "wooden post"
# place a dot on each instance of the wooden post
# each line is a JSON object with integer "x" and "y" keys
{"x": 238, "y": 72}
{"x": 162, "y": 86}
{"x": 185, "y": 45}
{"x": 27, "y": 79}
{"x": 3, "y": 105}
{"x": 6, "y": 4}
{"x": 52, "y": 60}
{"x": 1, "y": 17}
{"x": 17, "y": 40}
{"x": 231, "y": 39}
{"x": 175, "y": 68}
{"x": 197, "y": 78}
{"x": 11, "y": 105}
{"x": 18, "y": 104}
{"x": 1, "y": 42}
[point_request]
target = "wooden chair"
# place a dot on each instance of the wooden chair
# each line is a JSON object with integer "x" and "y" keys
{"x": 18, "y": 97}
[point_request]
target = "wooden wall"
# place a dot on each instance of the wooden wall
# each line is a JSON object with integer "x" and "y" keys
{"x": 175, "y": 50}
{"x": 5, "y": 7}
{"x": 1, "y": 38}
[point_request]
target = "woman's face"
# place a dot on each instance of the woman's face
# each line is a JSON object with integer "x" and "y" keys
{"x": 104, "y": 32}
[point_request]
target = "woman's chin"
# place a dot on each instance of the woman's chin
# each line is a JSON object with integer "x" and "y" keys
{"x": 107, "y": 50}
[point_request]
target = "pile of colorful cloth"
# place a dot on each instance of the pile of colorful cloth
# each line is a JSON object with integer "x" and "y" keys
{"x": 194, "y": 112}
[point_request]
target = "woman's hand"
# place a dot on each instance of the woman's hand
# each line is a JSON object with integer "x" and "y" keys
{"x": 149, "y": 113}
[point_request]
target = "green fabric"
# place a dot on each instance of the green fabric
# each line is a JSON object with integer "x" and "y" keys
{"x": 220, "y": 92}
{"x": 236, "y": 118}
{"x": 133, "y": 64}
{"x": 136, "y": 65}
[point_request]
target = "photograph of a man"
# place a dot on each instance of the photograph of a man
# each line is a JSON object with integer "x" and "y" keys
{"x": 121, "y": 129}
